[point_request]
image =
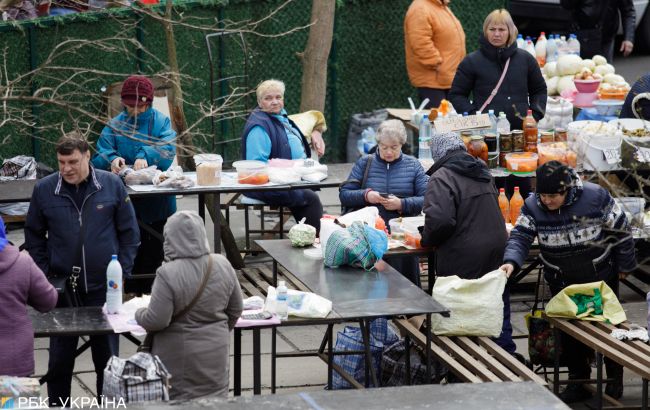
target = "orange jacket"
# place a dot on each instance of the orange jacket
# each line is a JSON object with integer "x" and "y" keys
{"x": 434, "y": 42}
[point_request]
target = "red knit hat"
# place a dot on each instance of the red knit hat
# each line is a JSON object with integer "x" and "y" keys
{"x": 137, "y": 90}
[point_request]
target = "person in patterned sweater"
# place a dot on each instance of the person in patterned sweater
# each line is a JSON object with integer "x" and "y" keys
{"x": 583, "y": 237}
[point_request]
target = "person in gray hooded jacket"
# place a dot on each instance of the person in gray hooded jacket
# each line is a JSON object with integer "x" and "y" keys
{"x": 195, "y": 346}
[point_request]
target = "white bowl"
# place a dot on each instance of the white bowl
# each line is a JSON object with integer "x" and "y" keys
{"x": 608, "y": 107}
{"x": 631, "y": 124}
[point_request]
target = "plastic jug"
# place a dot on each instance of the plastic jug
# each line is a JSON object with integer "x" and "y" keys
{"x": 540, "y": 49}
{"x": 113, "y": 286}
{"x": 516, "y": 202}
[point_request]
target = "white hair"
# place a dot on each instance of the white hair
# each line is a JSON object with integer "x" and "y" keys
{"x": 268, "y": 85}
{"x": 391, "y": 130}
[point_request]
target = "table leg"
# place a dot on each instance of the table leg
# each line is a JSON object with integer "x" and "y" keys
{"x": 257, "y": 383}
{"x": 556, "y": 364}
{"x": 599, "y": 380}
{"x": 237, "y": 364}
{"x": 431, "y": 271}
{"x": 275, "y": 272}
{"x": 217, "y": 223}
{"x": 369, "y": 369}
{"x": 330, "y": 354}
{"x": 644, "y": 395}
{"x": 407, "y": 349}
{"x": 427, "y": 350}
{"x": 273, "y": 358}
{"x": 202, "y": 206}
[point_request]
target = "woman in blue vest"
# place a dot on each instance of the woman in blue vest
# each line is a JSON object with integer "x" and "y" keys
{"x": 268, "y": 134}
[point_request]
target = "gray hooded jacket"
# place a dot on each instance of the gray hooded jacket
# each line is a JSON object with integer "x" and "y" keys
{"x": 195, "y": 347}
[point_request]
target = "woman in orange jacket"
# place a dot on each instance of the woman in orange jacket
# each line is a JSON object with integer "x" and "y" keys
{"x": 434, "y": 42}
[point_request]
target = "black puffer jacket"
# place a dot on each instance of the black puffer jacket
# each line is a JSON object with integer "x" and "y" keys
{"x": 462, "y": 217}
{"x": 523, "y": 87}
{"x": 586, "y": 13}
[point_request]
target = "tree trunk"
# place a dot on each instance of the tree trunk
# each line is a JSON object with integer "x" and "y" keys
{"x": 314, "y": 58}
{"x": 184, "y": 143}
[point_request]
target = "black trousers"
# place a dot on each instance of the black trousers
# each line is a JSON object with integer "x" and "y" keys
{"x": 435, "y": 95}
{"x": 311, "y": 209}
{"x": 150, "y": 253}
{"x": 62, "y": 356}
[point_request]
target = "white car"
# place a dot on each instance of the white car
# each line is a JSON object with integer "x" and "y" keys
{"x": 533, "y": 16}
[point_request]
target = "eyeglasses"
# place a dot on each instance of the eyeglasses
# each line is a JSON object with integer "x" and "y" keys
{"x": 393, "y": 148}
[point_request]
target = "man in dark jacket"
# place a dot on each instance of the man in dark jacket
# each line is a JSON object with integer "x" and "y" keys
{"x": 583, "y": 237}
{"x": 599, "y": 19}
{"x": 462, "y": 219}
{"x": 60, "y": 203}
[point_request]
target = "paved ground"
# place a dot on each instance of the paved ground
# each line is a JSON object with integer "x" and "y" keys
{"x": 309, "y": 373}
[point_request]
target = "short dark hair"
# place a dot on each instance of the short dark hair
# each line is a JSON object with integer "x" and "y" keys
{"x": 70, "y": 142}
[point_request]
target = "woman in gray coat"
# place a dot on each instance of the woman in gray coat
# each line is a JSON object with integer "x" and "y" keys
{"x": 195, "y": 346}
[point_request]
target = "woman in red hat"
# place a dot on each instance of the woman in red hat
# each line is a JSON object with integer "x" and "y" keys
{"x": 141, "y": 136}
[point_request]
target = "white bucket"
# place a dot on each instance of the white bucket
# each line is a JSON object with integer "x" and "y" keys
{"x": 574, "y": 128}
{"x": 600, "y": 152}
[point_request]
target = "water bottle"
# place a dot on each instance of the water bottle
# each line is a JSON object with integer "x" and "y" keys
{"x": 551, "y": 49}
{"x": 114, "y": 286}
{"x": 493, "y": 121}
{"x": 281, "y": 307}
{"x": 503, "y": 125}
{"x": 520, "y": 41}
{"x": 561, "y": 46}
{"x": 573, "y": 45}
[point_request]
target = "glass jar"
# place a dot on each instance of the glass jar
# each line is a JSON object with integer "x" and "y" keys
{"x": 502, "y": 159}
{"x": 505, "y": 142}
{"x": 466, "y": 136}
{"x": 478, "y": 148}
{"x": 546, "y": 136}
{"x": 491, "y": 141}
{"x": 560, "y": 135}
{"x": 518, "y": 140}
{"x": 530, "y": 147}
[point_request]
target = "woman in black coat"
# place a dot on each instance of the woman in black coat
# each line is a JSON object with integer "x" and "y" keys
{"x": 523, "y": 87}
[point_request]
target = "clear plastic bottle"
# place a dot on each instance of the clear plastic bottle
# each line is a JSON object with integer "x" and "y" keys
{"x": 551, "y": 49}
{"x": 113, "y": 286}
{"x": 516, "y": 202}
{"x": 504, "y": 205}
{"x": 281, "y": 307}
{"x": 520, "y": 41}
{"x": 503, "y": 125}
{"x": 540, "y": 49}
{"x": 493, "y": 121}
{"x": 561, "y": 46}
{"x": 573, "y": 45}
{"x": 530, "y": 48}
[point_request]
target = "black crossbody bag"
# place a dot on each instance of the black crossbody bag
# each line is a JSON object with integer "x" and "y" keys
{"x": 68, "y": 286}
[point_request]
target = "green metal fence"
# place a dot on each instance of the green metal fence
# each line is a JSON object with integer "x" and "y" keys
{"x": 366, "y": 69}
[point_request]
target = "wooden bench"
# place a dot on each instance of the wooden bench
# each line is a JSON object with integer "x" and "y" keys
{"x": 632, "y": 355}
{"x": 472, "y": 359}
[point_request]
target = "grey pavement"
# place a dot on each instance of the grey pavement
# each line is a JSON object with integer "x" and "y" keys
{"x": 310, "y": 373}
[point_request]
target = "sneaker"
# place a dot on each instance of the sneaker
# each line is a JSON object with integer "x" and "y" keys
{"x": 614, "y": 389}
{"x": 520, "y": 357}
{"x": 574, "y": 393}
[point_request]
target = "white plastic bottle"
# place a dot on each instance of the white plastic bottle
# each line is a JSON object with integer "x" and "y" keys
{"x": 561, "y": 46}
{"x": 281, "y": 306}
{"x": 113, "y": 286}
{"x": 493, "y": 121}
{"x": 540, "y": 49}
{"x": 573, "y": 45}
{"x": 551, "y": 49}
{"x": 531, "y": 48}
{"x": 520, "y": 41}
{"x": 503, "y": 125}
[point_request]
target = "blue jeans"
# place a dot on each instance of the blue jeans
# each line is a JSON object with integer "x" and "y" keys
{"x": 63, "y": 351}
{"x": 505, "y": 338}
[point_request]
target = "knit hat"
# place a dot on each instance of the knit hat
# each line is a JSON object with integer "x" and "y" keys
{"x": 553, "y": 177}
{"x": 3, "y": 235}
{"x": 443, "y": 144}
{"x": 137, "y": 90}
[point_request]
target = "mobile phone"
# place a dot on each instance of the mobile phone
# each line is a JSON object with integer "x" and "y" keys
{"x": 385, "y": 195}
{"x": 257, "y": 316}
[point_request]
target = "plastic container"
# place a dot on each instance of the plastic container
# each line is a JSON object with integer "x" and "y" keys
{"x": 575, "y": 128}
{"x": 608, "y": 107}
{"x": 281, "y": 306}
{"x": 412, "y": 237}
{"x": 516, "y": 202}
{"x": 587, "y": 92}
{"x": 600, "y": 152}
{"x": 396, "y": 232}
{"x": 208, "y": 169}
{"x": 113, "y": 286}
{"x": 251, "y": 172}
{"x": 633, "y": 206}
{"x": 521, "y": 161}
{"x": 556, "y": 151}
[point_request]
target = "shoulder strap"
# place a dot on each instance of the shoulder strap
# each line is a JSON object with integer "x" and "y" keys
{"x": 362, "y": 183}
{"x": 496, "y": 89}
{"x": 189, "y": 307}
{"x": 77, "y": 263}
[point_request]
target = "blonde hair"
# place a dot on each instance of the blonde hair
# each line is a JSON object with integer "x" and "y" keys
{"x": 501, "y": 16}
{"x": 391, "y": 130}
{"x": 268, "y": 85}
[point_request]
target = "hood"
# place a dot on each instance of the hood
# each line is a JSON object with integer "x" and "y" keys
{"x": 185, "y": 236}
{"x": 461, "y": 162}
{"x": 8, "y": 256}
{"x": 499, "y": 55}
{"x": 573, "y": 194}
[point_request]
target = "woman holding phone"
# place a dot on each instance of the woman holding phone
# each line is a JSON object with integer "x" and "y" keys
{"x": 390, "y": 180}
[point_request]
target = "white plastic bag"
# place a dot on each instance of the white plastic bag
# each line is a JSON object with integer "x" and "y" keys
{"x": 475, "y": 305}
{"x": 367, "y": 215}
{"x": 300, "y": 304}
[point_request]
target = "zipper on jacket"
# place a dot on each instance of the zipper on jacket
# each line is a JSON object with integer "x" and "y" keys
{"x": 387, "y": 178}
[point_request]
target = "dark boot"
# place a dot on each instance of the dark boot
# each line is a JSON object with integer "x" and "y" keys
{"x": 573, "y": 393}
{"x": 614, "y": 388}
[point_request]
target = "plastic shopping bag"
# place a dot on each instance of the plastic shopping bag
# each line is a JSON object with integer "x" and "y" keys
{"x": 561, "y": 305}
{"x": 300, "y": 304}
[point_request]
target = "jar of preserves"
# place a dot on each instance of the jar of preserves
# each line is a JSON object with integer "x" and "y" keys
{"x": 502, "y": 159}
{"x": 466, "y": 136}
{"x": 560, "y": 135}
{"x": 518, "y": 140}
{"x": 505, "y": 142}
{"x": 546, "y": 136}
{"x": 478, "y": 148}
{"x": 491, "y": 141}
{"x": 530, "y": 147}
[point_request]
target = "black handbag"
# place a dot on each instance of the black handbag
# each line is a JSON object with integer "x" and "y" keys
{"x": 67, "y": 286}
{"x": 147, "y": 344}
